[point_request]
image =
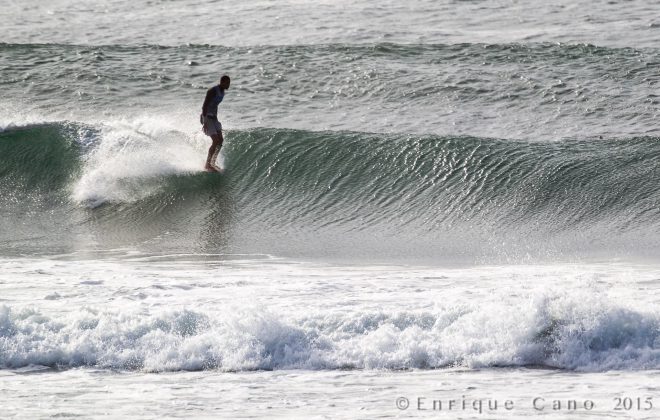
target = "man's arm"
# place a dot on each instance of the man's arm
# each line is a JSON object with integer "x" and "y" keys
{"x": 209, "y": 96}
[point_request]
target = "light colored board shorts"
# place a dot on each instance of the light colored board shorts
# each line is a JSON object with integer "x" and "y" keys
{"x": 212, "y": 127}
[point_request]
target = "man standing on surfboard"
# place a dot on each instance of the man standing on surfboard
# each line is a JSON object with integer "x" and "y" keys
{"x": 210, "y": 123}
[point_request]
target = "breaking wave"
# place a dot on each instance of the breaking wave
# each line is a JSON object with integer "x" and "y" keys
{"x": 554, "y": 331}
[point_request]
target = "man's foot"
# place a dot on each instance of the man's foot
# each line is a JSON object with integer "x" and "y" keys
{"x": 211, "y": 168}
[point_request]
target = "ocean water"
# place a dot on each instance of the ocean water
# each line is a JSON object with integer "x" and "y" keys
{"x": 428, "y": 208}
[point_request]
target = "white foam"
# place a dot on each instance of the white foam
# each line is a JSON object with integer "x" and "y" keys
{"x": 174, "y": 313}
{"x": 131, "y": 158}
{"x": 130, "y": 155}
{"x": 571, "y": 332}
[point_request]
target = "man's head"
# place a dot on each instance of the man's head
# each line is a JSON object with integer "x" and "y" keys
{"x": 224, "y": 82}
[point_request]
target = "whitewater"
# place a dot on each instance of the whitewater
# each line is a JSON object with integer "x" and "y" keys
{"x": 445, "y": 209}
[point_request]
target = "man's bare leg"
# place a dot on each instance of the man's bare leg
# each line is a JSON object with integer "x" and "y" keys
{"x": 213, "y": 152}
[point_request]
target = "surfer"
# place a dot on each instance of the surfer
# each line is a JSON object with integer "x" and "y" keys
{"x": 209, "y": 119}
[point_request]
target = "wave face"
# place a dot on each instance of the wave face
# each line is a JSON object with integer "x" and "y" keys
{"x": 426, "y": 183}
{"x": 452, "y": 194}
{"x": 41, "y": 158}
{"x": 554, "y": 331}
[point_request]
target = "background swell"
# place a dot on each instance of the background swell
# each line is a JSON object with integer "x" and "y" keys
{"x": 536, "y": 91}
